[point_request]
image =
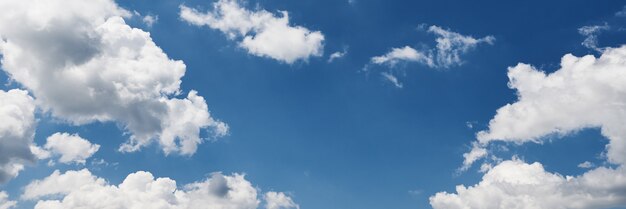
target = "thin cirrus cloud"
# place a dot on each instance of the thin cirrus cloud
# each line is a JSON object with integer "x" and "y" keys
{"x": 81, "y": 189}
{"x": 591, "y": 33}
{"x": 17, "y": 129}
{"x": 259, "y": 32}
{"x": 71, "y": 148}
{"x": 446, "y": 54}
{"x": 550, "y": 104}
{"x": 84, "y": 64}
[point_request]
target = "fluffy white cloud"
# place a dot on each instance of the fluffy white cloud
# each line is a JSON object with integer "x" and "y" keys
{"x": 591, "y": 35}
{"x": 586, "y": 92}
{"x": 278, "y": 200}
{"x": 71, "y": 148}
{"x": 84, "y": 64}
{"x": 551, "y": 103}
{"x": 447, "y": 53}
{"x": 81, "y": 189}
{"x": 516, "y": 184}
{"x": 260, "y": 32}
{"x": 17, "y": 129}
{"x": 5, "y": 203}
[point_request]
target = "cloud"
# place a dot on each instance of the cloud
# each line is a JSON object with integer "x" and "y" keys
{"x": 516, "y": 184}
{"x": 150, "y": 20}
{"x": 591, "y": 35}
{"x": 71, "y": 148}
{"x": 81, "y": 189}
{"x": 17, "y": 129}
{"x": 551, "y": 105}
{"x": 260, "y": 32}
{"x": 405, "y": 54}
{"x": 392, "y": 79}
{"x": 447, "y": 53}
{"x": 278, "y": 200}
{"x": 337, "y": 55}
{"x": 84, "y": 64}
{"x": 621, "y": 13}
{"x": 5, "y": 203}
{"x": 586, "y": 164}
{"x": 476, "y": 153}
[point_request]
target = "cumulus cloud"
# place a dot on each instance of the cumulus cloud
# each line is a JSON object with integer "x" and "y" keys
{"x": 260, "y": 32}
{"x": 551, "y": 105}
{"x": 447, "y": 53}
{"x": 84, "y": 64}
{"x": 591, "y": 35}
{"x": 278, "y": 200}
{"x": 81, "y": 189}
{"x": 5, "y": 203}
{"x": 17, "y": 129}
{"x": 70, "y": 148}
{"x": 516, "y": 184}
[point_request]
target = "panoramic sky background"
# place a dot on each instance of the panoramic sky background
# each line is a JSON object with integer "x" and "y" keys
{"x": 312, "y": 104}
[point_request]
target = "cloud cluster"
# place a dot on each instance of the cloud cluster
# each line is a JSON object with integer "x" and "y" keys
{"x": 447, "y": 53}
{"x": 586, "y": 92}
{"x": 70, "y": 148}
{"x": 81, "y": 189}
{"x": 17, "y": 129}
{"x": 5, "y": 203}
{"x": 516, "y": 184}
{"x": 260, "y": 32}
{"x": 84, "y": 64}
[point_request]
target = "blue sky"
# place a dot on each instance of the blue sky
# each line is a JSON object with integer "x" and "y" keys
{"x": 337, "y": 134}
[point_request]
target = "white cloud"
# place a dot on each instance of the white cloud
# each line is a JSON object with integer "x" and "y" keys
{"x": 278, "y": 200}
{"x": 337, "y": 55}
{"x": 586, "y": 164}
{"x": 84, "y": 64}
{"x": 392, "y": 79}
{"x": 447, "y": 53}
{"x": 552, "y": 105}
{"x": 516, "y": 184}
{"x": 591, "y": 35}
{"x": 5, "y": 203}
{"x": 150, "y": 20}
{"x": 407, "y": 54}
{"x": 260, "y": 32}
{"x": 476, "y": 153}
{"x": 81, "y": 189}
{"x": 71, "y": 148}
{"x": 17, "y": 129}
